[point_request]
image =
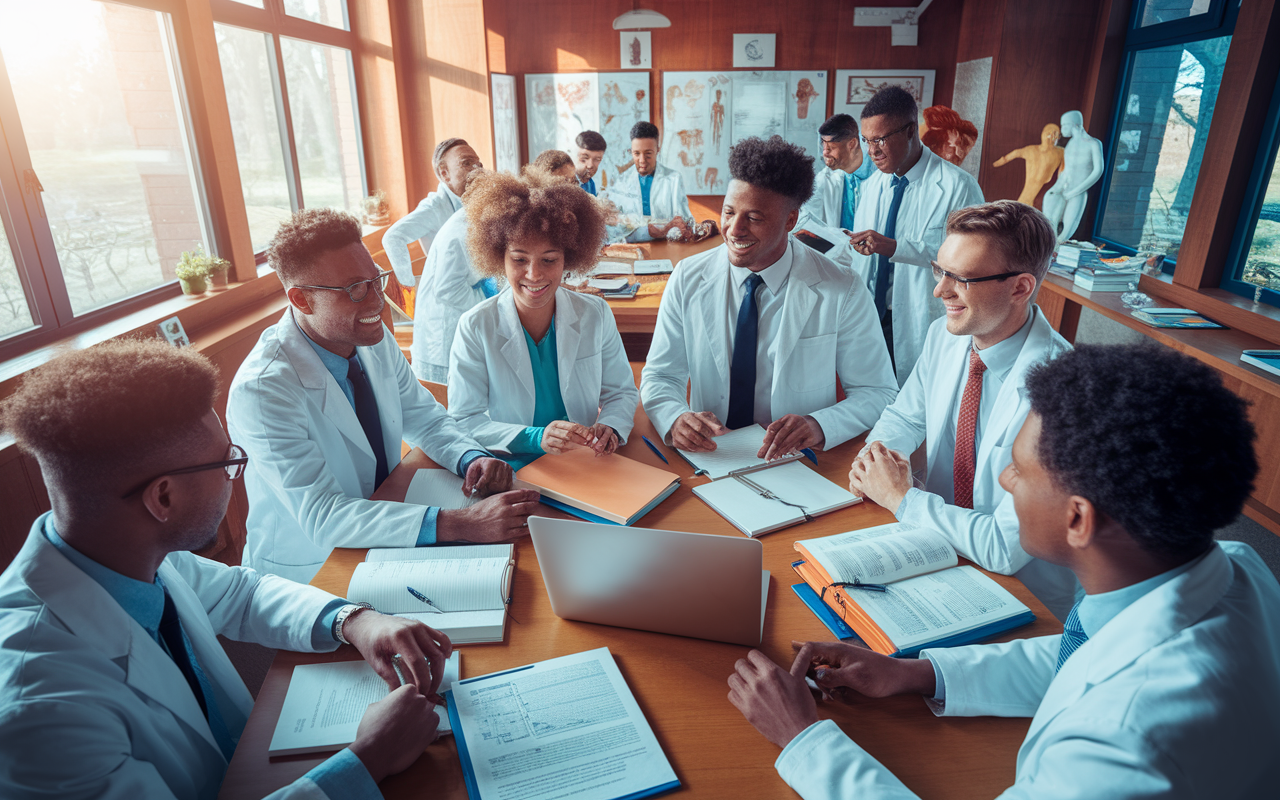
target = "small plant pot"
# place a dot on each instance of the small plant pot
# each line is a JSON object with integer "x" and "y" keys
{"x": 193, "y": 285}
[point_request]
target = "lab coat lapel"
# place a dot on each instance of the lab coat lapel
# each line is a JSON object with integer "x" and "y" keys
{"x": 712, "y": 302}
{"x": 1007, "y": 399}
{"x": 568, "y": 336}
{"x": 798, "y": 301}
{"x": 515, "y": 351}
{"x": 386, "y": 391}
{"x": 952, "y": 371}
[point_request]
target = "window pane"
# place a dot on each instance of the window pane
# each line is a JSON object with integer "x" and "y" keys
{"x": 255, "y": 125}
{"x": 326, "y": 12}
{"x": 99, "y": 105}
{"x": 1157, "y": 11}
{"x": 254, "y": 3}
{"x": 323, "y": 110}
{"x": 1163, "y": 129}
{"x": 14, "y": 314}
{"x": 1262, "y": 266}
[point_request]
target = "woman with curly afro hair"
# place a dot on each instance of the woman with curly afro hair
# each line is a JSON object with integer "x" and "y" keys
{"x": 539, "y": 368}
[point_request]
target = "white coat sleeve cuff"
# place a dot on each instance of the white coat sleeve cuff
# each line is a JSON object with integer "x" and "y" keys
{"x": 822, "y": 762}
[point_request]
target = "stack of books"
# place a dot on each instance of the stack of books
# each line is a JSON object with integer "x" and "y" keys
{"x": 1097, "y": 277}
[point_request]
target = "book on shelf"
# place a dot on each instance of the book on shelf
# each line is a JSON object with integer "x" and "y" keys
{"x": 325, "y": 703}
{"x": 1175, "y": 318}
{"x": 1268, "y": 360}
{"x": 611, "y": 488}
{"x": 919, "y": 597}
{"x": 468, "y": 586}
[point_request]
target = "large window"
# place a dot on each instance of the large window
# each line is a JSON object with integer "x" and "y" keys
{"x": 1254, "y": 269}
{"x": 99, "y": 187}
{"x": 290, "y": 86}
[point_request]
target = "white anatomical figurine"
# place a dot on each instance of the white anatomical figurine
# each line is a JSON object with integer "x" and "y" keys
{"x": 1083, "y": 165}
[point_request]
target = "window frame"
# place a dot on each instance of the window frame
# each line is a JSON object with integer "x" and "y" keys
{"x": 1218, "y": 21}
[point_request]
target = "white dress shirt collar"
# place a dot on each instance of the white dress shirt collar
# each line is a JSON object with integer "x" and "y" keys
{"x": 1000, "y": 357}
{"x": 775, "y": 275}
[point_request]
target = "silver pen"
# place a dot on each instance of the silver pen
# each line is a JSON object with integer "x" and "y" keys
{"x": 396, "y": 661}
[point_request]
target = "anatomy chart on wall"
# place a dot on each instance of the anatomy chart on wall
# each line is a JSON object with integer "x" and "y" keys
{"x": 560, "y": 106}
{"x": 704, "y": 113}
{"x": 854, "y": 87}
{"x": 506, "y": 136}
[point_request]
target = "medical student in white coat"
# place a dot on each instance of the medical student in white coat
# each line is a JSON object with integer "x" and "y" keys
{"x": 322, "y": 404}
{"x": 771, "y": 355}
{"x": 837, "y": 187}
{"x": 649, "y": 190}
{"x": 452, "y": 161}
{"x": 928, "y": 188}
{"x": 539, "y": 368}
{"x": 112, "y": 681}
{"x": 1166, "y": 679}
{"x": 969, "y": 384}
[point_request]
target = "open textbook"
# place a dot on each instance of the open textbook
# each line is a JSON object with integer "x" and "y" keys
{"x": 325, "y": 702}
{"x": 928, "y": 600}
{"x": 567, "y": 727}
{"x": 468, "y": 587}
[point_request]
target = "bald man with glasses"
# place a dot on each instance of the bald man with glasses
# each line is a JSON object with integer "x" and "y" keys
{"x": 966, "y": 396}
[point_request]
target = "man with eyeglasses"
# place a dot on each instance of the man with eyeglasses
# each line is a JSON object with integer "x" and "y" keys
{"x": 321, "y": 405}
{"x": 112, "y": 681}
{"x": 838, "y": 187}
{"x": 966, "y": 396}
{"x": 900, "y": 219}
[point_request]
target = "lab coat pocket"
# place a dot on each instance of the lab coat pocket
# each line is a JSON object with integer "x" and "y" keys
{"x": 813, "y": 364}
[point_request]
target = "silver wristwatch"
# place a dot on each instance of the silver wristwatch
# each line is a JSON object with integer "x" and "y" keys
{"x": 345, "y": 613}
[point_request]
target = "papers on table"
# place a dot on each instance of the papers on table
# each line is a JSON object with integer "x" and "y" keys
{"x": 794, "y": 491}
{"x": 608, "y": 284}
{"x": 437, "y": 487}
{"x": 566, "y": 727}
{"x": 735, "y": 454}
{"x": 325, "y": 702}
{"x": 654, "y": 266}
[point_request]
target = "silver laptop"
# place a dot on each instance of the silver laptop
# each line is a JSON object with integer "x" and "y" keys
{"x": 689, "y": 584}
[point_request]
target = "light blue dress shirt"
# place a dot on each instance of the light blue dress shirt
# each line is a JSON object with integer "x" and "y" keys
{"x": 343, "y": 775}
{"x": 548, "y": 403}
{"x": 338, "y": 366}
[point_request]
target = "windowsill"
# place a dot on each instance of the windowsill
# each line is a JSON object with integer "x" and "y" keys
{"x": 1258, "y": 319}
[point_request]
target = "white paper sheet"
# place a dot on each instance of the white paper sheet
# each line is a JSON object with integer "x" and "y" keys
{"x": 437, "y": 487}
{"x": 735, "y": 453}
{"x": 795, "y": 483}
{"x": 654, "y": 266}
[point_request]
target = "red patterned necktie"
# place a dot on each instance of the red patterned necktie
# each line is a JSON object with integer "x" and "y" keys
{"x": 966, "y": 427}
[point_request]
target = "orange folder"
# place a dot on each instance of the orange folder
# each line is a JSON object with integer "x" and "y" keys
{"x": 612, "y": 487}
{"x": 840, "y": 602}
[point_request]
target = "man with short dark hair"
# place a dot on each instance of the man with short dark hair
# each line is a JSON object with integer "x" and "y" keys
{"x": 322, "y": 404}
{"x": 758, "y": 329}
{"x": 838, "y": 186}
{"x": 900, "y": 221}
{"x": 651, "y": 194}
{"x": 966, "y": 397}
{"x": 1165, "y": 681}
{"x": 452, "y": 161}
{"x": 589, "y": 149}
{"x": 112, "y": 681}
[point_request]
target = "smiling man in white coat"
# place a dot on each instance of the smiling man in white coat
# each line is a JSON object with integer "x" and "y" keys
{"x": 900, "y": 221}
{"x": 761, "y": 328}
{"x": 649, "y": 189}
{"x": 1166, "y": 679}
{"x": 112, "y": 681}
{"x": 322, "y": 404}
{"x": 967, "y": 396}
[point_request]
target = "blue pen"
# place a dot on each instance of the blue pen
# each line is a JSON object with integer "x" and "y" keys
{"x": 420, "y": 596}
{"x": 658, "y": 453}
{"x": 810, "y": 455}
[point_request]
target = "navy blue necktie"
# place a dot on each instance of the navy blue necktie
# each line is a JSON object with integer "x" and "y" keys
{"x": 367, "y": 413}
{"x": 742, "y": 370}
{"x": 1073, "y": 636}
{"x": 171, "y": 633}
{"x": 890, "y": 230}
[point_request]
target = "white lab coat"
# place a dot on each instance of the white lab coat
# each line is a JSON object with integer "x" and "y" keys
{"x": 1177, "y": 697}
{"x": 824, "y": 209}
{"x": 93, "y": 707}
{"x": 943, "y": 187}
{"x": 491, "y": 392}
{"x": 310, "y": 464}
{"x": 987, "y": 533}
{"x": 421, "y": 224}
{"x": 666, "y": 196}
{"x": 828, "y": 328}
{"x": 447, "y": 290}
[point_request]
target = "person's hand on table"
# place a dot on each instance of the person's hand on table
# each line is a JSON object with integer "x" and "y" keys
{"x": 871, "y": 243}
{"x": 696, "y": 431}
{"x": 790, "y": 434}
{"x": 776, "y": 702}
{"x": 837, "y": 668}
{"x": 604, "y": 439}
{"x": 881, "y": 475}
{"x": 486, "y": 476}
{"x": 423, "y": 650}
{"x": 561, "y": 436}
{"x": 499, "y": 518}
{"x": 394, "y": 731}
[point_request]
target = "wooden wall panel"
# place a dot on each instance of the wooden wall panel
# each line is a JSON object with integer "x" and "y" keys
{"x": 375, "y": 70}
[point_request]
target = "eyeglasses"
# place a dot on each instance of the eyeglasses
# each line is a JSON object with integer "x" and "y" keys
{"x": 359, "y": 290}
{"x": 234, "y": 464}
{"x": 880, "y": 140}
{"x": 939, "y": 273}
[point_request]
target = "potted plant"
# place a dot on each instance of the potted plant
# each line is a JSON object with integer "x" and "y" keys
{"x": 195, "y": 267}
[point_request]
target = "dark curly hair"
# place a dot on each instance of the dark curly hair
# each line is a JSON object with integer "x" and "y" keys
{"x": 502, "y": 208}
{"x": 644, "y": 130}
{"x": 774, "y": 164}
{"x": 552, "y": 160}
{"x": 893, "y": 102}
{"x": 1149, "y": 436}
{"x": 304, "y": 236}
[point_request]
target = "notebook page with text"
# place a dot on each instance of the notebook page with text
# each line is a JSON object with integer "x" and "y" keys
{"x": 882, "y": 554}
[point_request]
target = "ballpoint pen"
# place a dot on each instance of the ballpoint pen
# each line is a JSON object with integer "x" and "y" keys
{"x": 420, "y": 596}
{"x": 655, "y": 450}
{"x": 395, "y": 664}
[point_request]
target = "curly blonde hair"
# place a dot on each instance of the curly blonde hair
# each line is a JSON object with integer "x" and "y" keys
{"x": 503, "y": 208}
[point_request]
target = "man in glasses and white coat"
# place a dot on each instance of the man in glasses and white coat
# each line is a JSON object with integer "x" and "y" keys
{"x": 322, "y": 404}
